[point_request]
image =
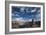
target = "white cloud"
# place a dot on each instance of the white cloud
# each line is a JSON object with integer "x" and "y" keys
{"x": 16, "y": 12}
{"x": 17, "y": 15}
{"x": 27, "y": 10}
{"x": 33, "y": 10}
{"x": 18, "y": 19}
{"x": 39, "y": 10}
{"x": 22, "y": 9}
{"x": 38, "y": 17}
{"x": 22, "y": 19}
{"x": 15, "y": 19}
{"x": 30, "y": 20}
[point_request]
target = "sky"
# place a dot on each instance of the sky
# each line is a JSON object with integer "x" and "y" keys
{"x": 21, "y": 13}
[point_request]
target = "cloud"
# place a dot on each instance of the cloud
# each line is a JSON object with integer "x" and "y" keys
{"x": 38, "y": 17}
{"x": 22, "y": 9}
{"x": 30, "y": 20}
{"x": 13, "y": 14}
{"x": 20, "y": 15}
{"x": 33, "y": 10}
{"x": 39, "y": 11}
{"x": 17, "y": 15}
{"x": 18, "y": 19}
{"x": 27, "y": 10}
{"x": 22, "y": 19}
{"x": 16, "y": 12}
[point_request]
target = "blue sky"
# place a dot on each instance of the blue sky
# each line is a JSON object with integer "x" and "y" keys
{"x": 25, "y": 13}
